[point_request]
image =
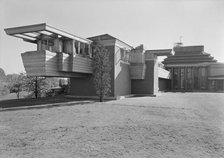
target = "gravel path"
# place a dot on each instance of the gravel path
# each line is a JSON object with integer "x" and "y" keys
{"x": 171, "y": 125}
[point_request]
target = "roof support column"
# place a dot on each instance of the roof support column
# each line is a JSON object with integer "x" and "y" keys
{"x": 171, "y": 73}
{"x": 39, "y": 45}
{"x": 89, "y": 51}
{"x": 178, "y": 78}
{"x": 78, "y": 46}
{"x": 185, "y": 78}
{"x": 152, "y": 73}
{"x": 192, "y": 78}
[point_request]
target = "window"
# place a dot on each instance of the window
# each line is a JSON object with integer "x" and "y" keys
{"x": 124, "y": 55}
{"x": 77, "y": 47}
{"x": 81, "y": 49}
{"x": 44, "y": 42}
{"x": 47, "y": 44}
{"x": 203, "y": 71}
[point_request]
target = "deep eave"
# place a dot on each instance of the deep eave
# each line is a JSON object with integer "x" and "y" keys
{"x": 30, "y": 33}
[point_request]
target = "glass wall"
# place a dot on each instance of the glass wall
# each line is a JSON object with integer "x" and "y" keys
{"x": 182, "y": 79}
{"x": 195, "y": 78}
{"x": 175, "y": 78}
{"x": 203, "y": 80}
{"x": 189, "y": 78}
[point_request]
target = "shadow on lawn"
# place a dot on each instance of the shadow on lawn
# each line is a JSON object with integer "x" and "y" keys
{"x": 31, "y": 103}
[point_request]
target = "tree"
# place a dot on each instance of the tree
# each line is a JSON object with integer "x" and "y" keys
{"x": 101, "y": 71}
{"x": 11, "y": 79}
{"x": 15, "y": 83}
{"x": 2, "y": 75}
{"x": 4, "y": 90}
{"x": 18, "y": 84}
{"x": 38, "y": 86}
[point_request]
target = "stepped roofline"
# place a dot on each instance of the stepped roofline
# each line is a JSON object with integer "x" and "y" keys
{"x": 189, "y": 54}
{"x": 108, "y": 37}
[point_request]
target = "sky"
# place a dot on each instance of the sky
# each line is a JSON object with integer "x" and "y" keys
{"x": 157, "y": 24}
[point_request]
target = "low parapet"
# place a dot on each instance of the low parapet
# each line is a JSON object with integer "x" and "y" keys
{"x": 31, "y": 33}
{"x": 199, "y": 48}
{"x": 160, "y": 52}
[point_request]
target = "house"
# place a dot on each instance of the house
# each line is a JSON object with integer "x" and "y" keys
{"x": 134, "y": 70}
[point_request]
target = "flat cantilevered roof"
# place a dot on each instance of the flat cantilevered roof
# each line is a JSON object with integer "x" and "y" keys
{"x": 31, "y": 33}
{"x": 160, "y": 52}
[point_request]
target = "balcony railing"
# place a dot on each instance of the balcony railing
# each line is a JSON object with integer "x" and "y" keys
{"x": 46, "y": 63}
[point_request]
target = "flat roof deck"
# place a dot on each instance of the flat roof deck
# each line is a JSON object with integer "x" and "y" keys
{"x": 31, "y": 33}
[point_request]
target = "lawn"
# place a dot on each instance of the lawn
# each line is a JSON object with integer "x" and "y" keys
{"x": 181, "y": 125}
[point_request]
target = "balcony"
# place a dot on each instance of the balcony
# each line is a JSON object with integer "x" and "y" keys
{"x": 52, "y": 64}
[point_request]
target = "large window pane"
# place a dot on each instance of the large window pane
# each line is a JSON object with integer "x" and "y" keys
{"x": 175, "y": 78}
{"x": 189, "y": 78}
{"x": 195, "y": 78}
{"x": 203, "y": 77}
{"x": 182, "y": 78}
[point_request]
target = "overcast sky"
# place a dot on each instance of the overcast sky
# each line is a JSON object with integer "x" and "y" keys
{"x": 155, "y": 23}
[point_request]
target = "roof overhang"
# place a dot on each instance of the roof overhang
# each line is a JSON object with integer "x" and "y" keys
{"x": 31, "y": 33}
